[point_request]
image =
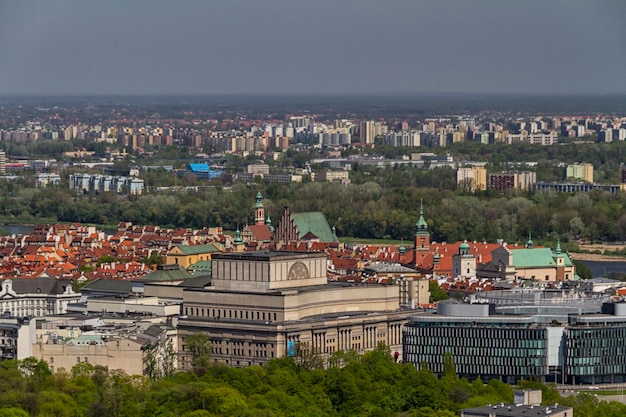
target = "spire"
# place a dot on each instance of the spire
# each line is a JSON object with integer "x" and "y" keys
{"x": 558, "y": 247}
{"x": 238, "y": 240}
{"x": 421, "y": 226}
{"x": 268, "y": 223}
{"x": 529, "y": 244}
{"x": 259, "y": 209}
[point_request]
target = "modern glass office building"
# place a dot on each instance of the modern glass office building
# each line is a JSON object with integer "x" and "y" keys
{"x": 583, "y": 349}
{"x": 596, "y": 347}
{"x": 509, "y": 348}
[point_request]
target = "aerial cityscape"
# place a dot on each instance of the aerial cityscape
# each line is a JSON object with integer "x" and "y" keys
{"x": 316, "y": 209}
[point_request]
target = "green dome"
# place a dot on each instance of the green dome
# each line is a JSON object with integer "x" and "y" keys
{"x": 259, "y": 200}
{"x": 402, "y": 249}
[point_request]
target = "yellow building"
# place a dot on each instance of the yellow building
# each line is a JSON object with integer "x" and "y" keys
{"x": 186, "y": 255}
{"x": 580, "y": 172}
{"x": 472, "y": 178}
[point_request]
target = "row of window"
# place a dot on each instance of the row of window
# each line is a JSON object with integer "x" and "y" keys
{"x": 230, "y": 314}
{"x": 466, "y": 341}
{"x": 475, "y": 368}
{"x": 595, "y": 370}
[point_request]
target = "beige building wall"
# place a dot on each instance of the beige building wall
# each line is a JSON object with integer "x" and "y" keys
{"x": 261, "y": 303}
{"x": 124, "y": 354}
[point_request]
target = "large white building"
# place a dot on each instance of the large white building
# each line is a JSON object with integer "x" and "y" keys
{"x": 36, "y": 297}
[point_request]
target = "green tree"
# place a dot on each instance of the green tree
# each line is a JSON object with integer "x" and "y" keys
{"x": 582, "y": 269}
{"x": 449, "y": 368}
{"x": 199, "y": 347}
{"x": 436, "y": 293}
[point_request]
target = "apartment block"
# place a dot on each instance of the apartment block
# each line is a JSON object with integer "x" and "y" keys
{"x": 582, "y": 172}
{"x": 472, "y": 178}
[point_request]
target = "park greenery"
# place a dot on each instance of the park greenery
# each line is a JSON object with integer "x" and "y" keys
{"x": 371, "y": 384}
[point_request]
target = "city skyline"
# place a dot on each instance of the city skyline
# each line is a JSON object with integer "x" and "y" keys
{"x": 345, "y": 47}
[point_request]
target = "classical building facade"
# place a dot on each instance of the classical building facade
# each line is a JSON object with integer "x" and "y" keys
{"x": 36, "y": 297}
{"x": 261, "y": 305}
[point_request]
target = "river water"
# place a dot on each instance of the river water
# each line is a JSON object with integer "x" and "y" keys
{"x": 603, "y": 268}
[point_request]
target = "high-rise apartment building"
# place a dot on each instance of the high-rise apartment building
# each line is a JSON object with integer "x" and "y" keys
{"x": 472, "y": 178}
{"x": 524, "y": 180}
{"x": 580, "y": 172}
{"x": 3, "y": 163}
{"x": 366, "y": 132}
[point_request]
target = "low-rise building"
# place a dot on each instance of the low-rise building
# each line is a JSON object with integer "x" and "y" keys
{"x": 137, "y": 344}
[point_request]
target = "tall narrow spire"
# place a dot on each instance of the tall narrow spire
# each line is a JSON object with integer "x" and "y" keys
{"x": 238, "y": 240}
{"x": 259, "y": 209}
{"x": 558, "y": 247}
{"x": 421, "y": 226}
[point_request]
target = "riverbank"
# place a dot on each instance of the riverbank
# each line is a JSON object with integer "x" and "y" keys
{"x": 578, "y": 256}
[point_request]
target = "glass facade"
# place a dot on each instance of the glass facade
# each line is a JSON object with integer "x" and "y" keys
{"x": 488, "y": 349}
{"x": 596, "y": 355}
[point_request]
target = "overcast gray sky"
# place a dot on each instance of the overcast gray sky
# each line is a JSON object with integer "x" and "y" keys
{"x": 306, "y": 46}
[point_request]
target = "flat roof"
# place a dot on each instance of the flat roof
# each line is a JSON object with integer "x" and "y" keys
{"x": 267, "y": 255}
{"x": 513, "y": 410}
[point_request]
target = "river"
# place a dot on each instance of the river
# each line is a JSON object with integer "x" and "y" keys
{"x": 603, "y": 268}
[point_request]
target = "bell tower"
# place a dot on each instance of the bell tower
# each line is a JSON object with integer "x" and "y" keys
{"x": 421, "y": 242}
{"x": 259, "y": 209}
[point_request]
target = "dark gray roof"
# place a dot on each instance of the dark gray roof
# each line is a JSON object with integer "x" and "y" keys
{"x": 40, "y": 285}
{"x": 512, "y": 410}
{"x": 196, "y": 282}
{"x": 154, "y": 331}
{"x": 111, "y": 286}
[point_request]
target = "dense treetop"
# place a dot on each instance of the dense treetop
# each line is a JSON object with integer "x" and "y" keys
{"x": 365, "y": 385}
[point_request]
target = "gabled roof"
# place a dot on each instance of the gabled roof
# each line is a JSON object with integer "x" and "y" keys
{"x": 197, "y": 249}
{"x": 260, "y": 232}
{"x": 196, "y": 282}
{"x": 166, "y": 275}
{"x": 109, "y": 286}
{"x": 313, "y": 223}
{"x": 41, "y": 285}
{"x": 532, "y": 258}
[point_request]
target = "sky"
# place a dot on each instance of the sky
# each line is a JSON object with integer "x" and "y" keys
{"x": 312, "y": 46}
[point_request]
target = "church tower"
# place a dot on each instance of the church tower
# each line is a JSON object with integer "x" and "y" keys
{"x": 259, "y": 209}
{"x": 421, "y": 246}
{"x": 238, "y": 244}
{"x": 464, "y": 263}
